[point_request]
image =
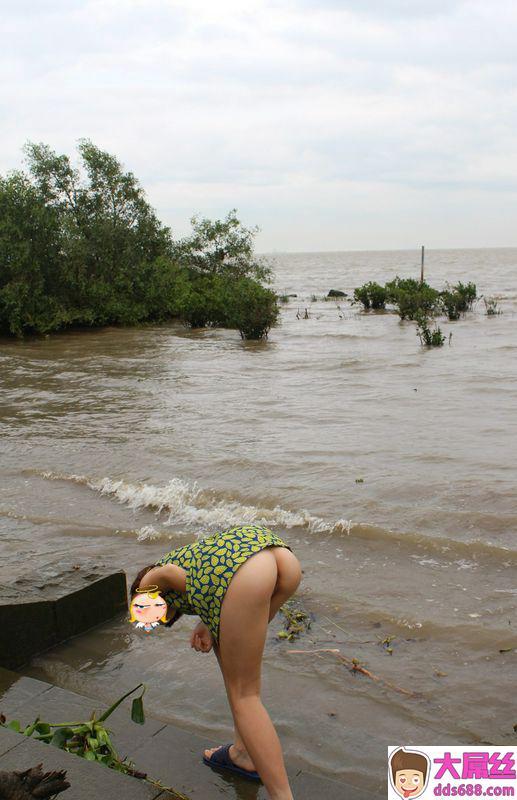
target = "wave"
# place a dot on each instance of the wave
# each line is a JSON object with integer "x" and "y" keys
{"x": 442, "y": 545}
{"x": 179, "y": 503}
{"x": 188, "y": 504}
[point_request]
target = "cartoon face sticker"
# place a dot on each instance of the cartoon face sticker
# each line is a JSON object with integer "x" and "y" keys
{"x": 409, "y": 770}
{"x": 148, "y": 608}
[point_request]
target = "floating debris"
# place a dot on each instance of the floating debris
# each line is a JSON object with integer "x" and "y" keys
{"x": 296, "y": 621}
{"x": 386, "y": 643}
{"x": 354, "y": 665}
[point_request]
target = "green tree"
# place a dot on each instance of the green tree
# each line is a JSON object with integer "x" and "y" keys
{"x": 81, "y": 245}
{"x": 250, "y": 308}
{"x": 109, "y": 227}
{"x": 222, "y": 247}
{"x": 31, "y": 292}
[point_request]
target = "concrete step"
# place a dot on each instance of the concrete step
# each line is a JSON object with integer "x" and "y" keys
{"x": 87, "y": 779}
{"x": 168, "y": 753}
{"x": 54, "y": 602}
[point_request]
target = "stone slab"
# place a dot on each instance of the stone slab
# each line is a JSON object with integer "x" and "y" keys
{"x": 307, "y": 786}
{"x": 60, "y": 705}
{"x": 16, "y": 689}
{"x": 57, "y": 601}
{"x": 174, "y": 756}
{"x": 8, "y": 740}
{"x": 165, "y": 752}
{"x": 88, "y": 780}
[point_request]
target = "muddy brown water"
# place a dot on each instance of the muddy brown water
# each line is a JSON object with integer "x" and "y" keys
{"x": 390, "y": 470}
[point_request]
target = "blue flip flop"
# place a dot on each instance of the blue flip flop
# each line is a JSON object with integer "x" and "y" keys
{"x": 221, "y": 760}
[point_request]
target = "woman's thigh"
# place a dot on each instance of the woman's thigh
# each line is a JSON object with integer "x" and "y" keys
{"x": 244, "y": 621}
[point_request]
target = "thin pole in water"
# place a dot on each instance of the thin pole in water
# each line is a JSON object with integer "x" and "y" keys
{"x": 422, "y": 266}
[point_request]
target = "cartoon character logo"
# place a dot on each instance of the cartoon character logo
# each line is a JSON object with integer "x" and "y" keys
{"x": 409, "y": 771}
{"x": 148, "y": 608}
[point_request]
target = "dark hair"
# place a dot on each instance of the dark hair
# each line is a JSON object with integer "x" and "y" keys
{"x": 403, "y": 759}
{"x": 136, "y": 583}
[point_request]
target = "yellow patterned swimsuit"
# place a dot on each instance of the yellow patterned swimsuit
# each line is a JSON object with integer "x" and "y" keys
{"x": 210, "y": 565}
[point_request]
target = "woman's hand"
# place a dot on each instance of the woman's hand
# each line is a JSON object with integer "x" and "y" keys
{"x": 201, "y": 639}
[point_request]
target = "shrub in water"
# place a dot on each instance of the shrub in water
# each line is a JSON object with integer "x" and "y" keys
{"x": 412, "y": 297}
{"x": 428, "y": 337}
{"x": 402, "y": 284}
{"x": 371, "y": 295}
{"x": 491, "y": 306}
{"x": 249, "y": 307}
{"x": 457, "y": 299}
{"x": 468, "y": 293}
{"x": 452, "y": 303}
{"x": 424, "y": 301}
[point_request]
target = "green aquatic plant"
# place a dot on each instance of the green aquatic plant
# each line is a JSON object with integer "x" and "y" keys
{"x": 468, "y": 293}
{"x": 296, "y": 620}
{"x": 491, "y": 306}
{"x": 452, "y": 303}
{"x": 456, "y": 300}
{"x": 402, "y": 284}
{"x": 386, "y": 643}
{"x": 371, "y": 295}
{"x": 413, "y": 298}
{"x": 428, "y": 337}
{"x": 90, "y": 740}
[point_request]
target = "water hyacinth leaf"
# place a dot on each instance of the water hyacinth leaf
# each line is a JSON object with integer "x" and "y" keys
{"x": 81, "y": 731}
{"x": 42, "y": 727}
{"x": 115, "y": 705}
{"x": 61, "y": 736}
{"x": 101, "y": 735}
{"x": 137, "y": 711}
{"x": 29, "y": 730}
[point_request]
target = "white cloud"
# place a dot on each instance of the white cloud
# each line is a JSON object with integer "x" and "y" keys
{"x": 330, "y": 124}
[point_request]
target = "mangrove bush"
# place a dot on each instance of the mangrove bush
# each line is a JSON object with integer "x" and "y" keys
{"x": 82, "y": 246}
{"x": 371, "y": 295}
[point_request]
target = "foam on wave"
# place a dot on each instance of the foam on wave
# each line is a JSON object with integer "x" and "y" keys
{"x": 184, "y": 505}
{"x": 181, "y": 503}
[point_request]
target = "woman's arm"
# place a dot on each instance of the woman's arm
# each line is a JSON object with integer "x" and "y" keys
{"x": 167, "y": 576}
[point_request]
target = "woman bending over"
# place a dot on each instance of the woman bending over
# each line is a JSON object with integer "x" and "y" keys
{"x": 235, "y": 581}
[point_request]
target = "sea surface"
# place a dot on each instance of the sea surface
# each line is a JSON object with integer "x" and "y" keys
{"x": 389, "y": 468}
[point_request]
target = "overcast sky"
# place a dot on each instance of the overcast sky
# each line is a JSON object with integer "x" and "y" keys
{"x": 332, "y": 124}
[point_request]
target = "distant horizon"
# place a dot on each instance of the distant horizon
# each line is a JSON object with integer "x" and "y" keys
{"x": 383, "y": 250}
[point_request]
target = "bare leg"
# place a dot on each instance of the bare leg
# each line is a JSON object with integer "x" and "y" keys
{"x": 288, "y": 579}
{"x": 238, "y": 753}
{"x": 244, "y": 619}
